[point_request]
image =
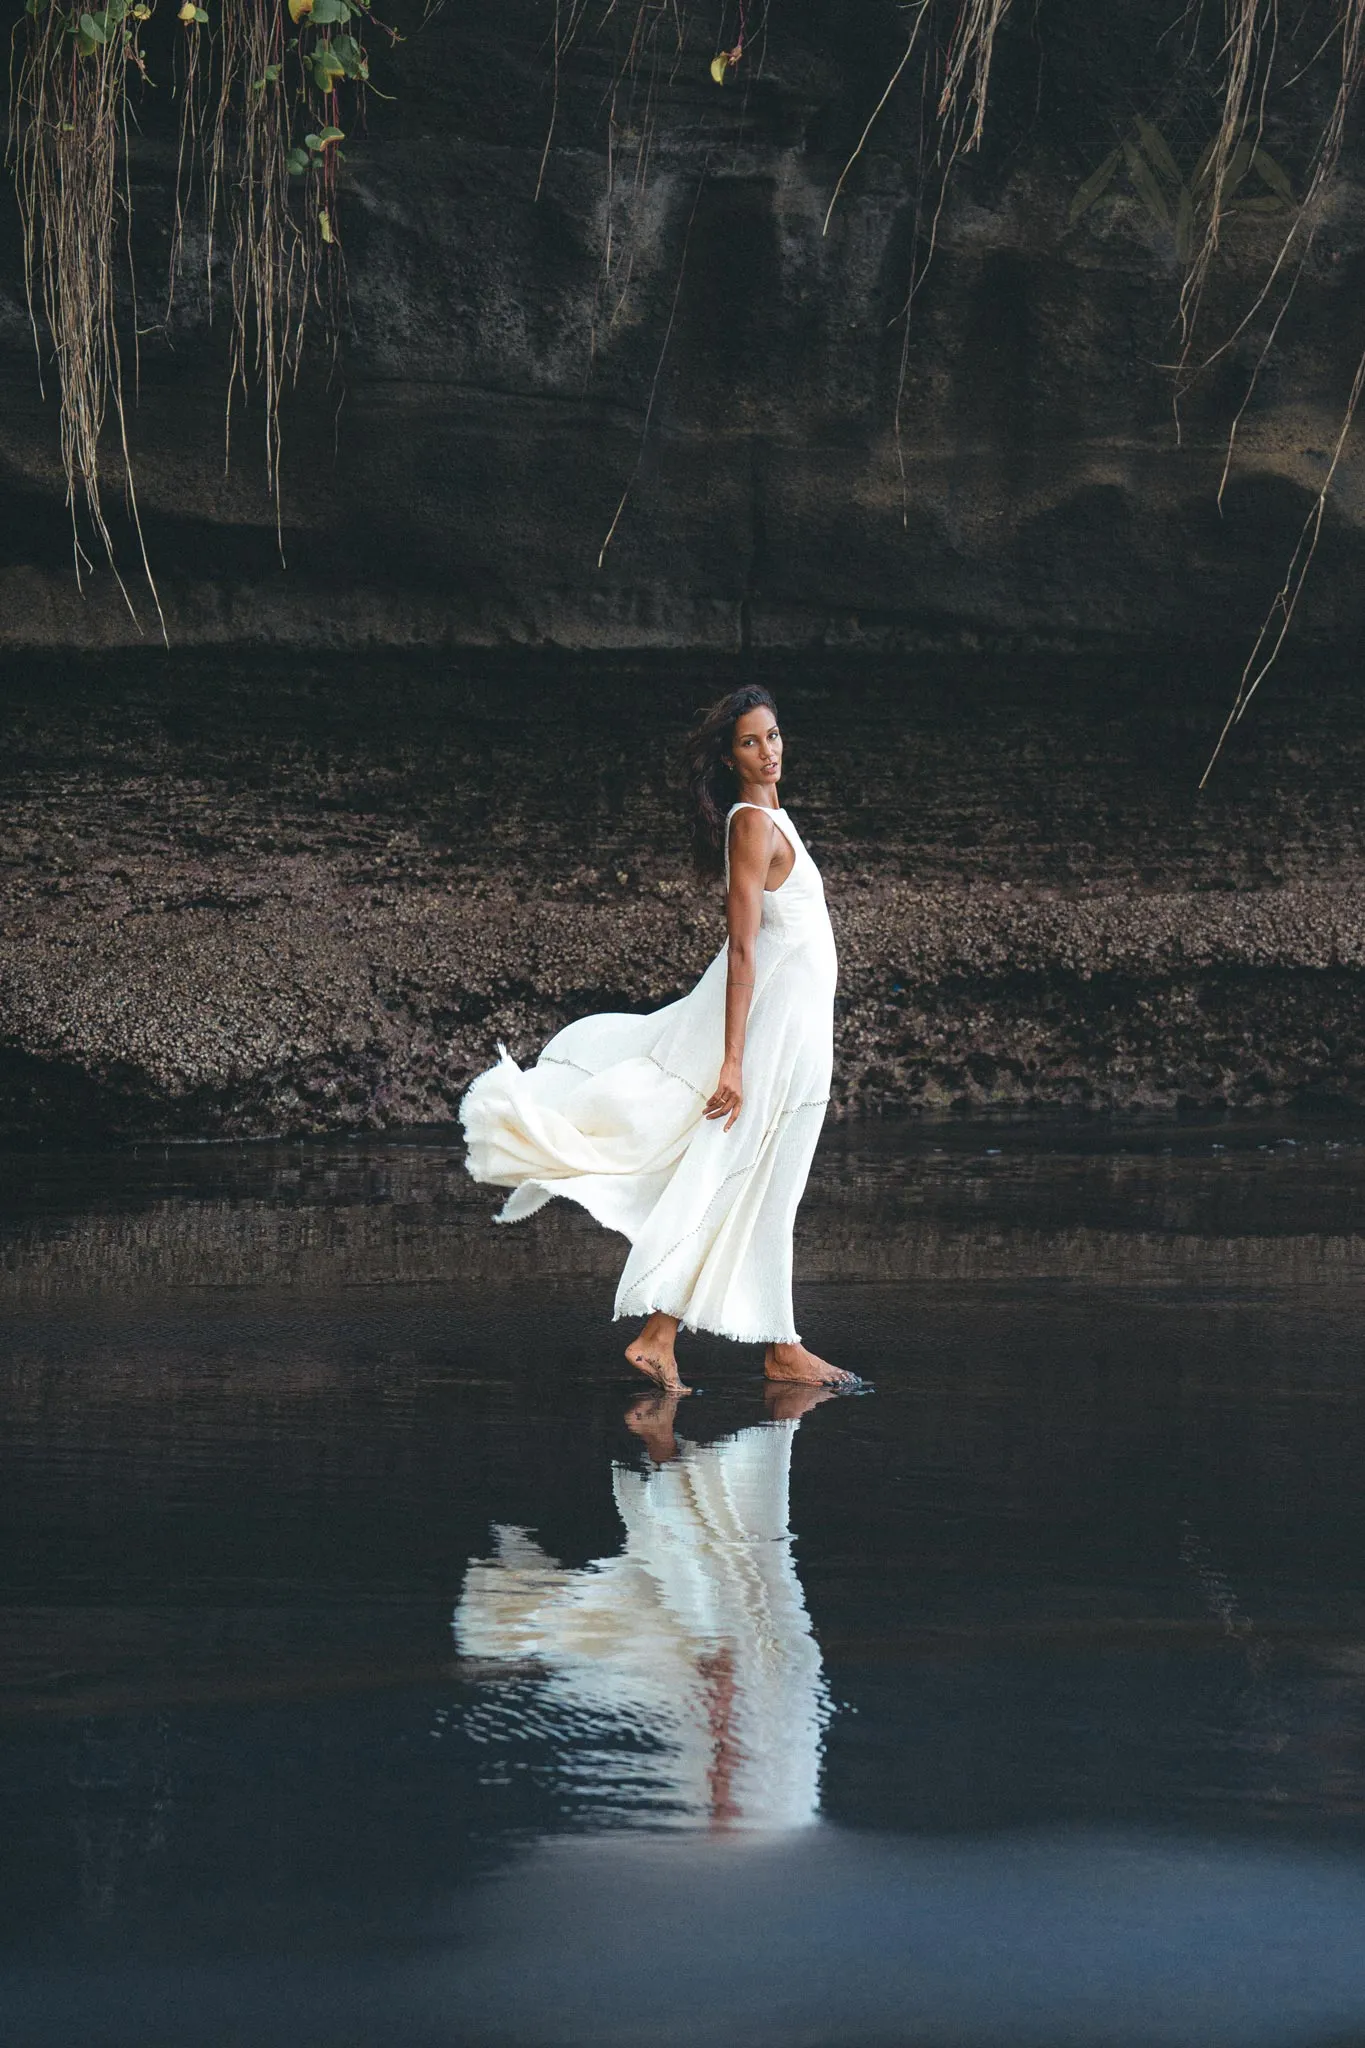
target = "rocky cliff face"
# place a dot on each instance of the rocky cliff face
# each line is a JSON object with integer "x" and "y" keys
{"x": 409, "y": 794}
{"x": 803, "y": 471}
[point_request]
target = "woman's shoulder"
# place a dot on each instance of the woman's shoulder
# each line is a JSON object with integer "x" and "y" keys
{"x": 750, "y": 822}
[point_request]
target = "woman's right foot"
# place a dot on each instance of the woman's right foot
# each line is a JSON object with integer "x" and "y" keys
{"x": 793, "y": 1364}
{"x": 652, "y": 1354}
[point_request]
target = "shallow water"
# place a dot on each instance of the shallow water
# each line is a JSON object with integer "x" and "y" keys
{"x": 1046, "y": 1723}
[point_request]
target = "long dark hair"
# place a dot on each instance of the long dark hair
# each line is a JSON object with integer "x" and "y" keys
{"x": 712, "y": 784}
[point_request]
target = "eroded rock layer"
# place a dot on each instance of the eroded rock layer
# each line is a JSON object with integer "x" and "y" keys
{"x": 247, "y": 898}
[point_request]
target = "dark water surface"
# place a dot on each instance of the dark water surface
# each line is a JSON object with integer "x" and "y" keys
{"x": 364, "y": 1680}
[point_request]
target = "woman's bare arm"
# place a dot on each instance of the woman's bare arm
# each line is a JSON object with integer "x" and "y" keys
{"x": 751, "y": 852}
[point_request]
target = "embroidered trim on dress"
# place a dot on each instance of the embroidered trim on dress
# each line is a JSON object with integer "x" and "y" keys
{"x": 677, "y": 1077}
{"x": 738, "y": 1174}
{"x": 551, "y": 1059}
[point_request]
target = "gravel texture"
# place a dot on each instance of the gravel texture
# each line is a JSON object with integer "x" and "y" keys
{"x": 234, "y": 902}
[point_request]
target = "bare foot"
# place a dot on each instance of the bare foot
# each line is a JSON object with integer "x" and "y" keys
{"x": 651, "y": 1419}
{"x": 788, "y": 1401}
{"x": 793, "y": 1362}
{"x": 652, "y": 1354}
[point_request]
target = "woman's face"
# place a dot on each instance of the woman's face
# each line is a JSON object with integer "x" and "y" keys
{"x": 756, "y": 750}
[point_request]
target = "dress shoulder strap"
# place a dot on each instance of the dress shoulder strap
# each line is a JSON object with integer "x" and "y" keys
{"x": 778, "y": 818}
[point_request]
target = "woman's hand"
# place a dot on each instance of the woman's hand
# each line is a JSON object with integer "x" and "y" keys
{"x": 728, "y": 1099}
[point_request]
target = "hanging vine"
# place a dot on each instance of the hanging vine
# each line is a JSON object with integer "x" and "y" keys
{"x": 267, "y": 90}
{"x": 261, "y": 88}
{"x": 948, "y": 55}
{"x": 69, "y": 143}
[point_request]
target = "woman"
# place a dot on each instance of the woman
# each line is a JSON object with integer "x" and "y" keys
{"x": 628, "y": 1116}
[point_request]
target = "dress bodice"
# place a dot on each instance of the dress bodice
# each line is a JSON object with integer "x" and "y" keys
{"x": 797, "y": 908}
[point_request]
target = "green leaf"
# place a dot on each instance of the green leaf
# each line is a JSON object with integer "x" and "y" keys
{"x": 1146, "y": 186}
{"x": 327, "y": 67}
{"x": 92, "y": 30}
{"x": 1154, "y": 144}
{"x": 1269, "y": 172}
{"x": 331, "y": 135}
{"x": 1203, "y": 170}
{"x": 1239, "y": 163}
{"x": 296, "y": 163}
{"x": 1095, "y": 186}
{"x": 325, "y": 13}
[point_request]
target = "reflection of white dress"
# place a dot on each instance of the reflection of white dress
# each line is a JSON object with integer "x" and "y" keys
{"x": 611, "y": 1116}
{"x": 696, "y": 1635}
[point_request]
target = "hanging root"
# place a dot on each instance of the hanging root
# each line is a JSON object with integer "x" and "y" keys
{"x": 270, "y": 256}
{"x": 68, "y": 146}
{"x": 658, "y": 367}
{"x": 872, "y": 119}
{"x": 244, "y": 78}
{"x": 1248, "y": 51}
{"x": 1280, "y": 616}
{"x": 967, "y": 72}
{"x": 1247, "y": 32}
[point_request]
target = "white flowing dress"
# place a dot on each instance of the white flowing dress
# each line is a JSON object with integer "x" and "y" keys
{"x": 697, "y": 1633}
{"x": 611, "y": 1117}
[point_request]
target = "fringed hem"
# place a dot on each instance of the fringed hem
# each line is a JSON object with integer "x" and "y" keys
{"x": 659, "y": 1308}
{"x": 522, "y": 1215}
{"x": 568, "y": 1190}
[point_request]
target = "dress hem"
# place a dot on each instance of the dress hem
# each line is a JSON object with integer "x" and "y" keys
{"x": 658, "y": 1308}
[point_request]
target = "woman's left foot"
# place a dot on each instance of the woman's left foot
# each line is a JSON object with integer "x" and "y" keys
{"x": 793, "y": 1362}
{"x": 652, "y": 1354}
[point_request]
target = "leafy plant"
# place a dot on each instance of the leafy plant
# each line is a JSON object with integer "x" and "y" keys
{"x": 253, "y": 75}
{"x": 1184, "y": 205}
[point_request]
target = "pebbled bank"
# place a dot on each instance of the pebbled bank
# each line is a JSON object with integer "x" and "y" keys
{"x": 235, "y": 901}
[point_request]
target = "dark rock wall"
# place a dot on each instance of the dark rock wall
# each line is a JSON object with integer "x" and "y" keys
{"x": 409, "y": 794}
{"x": 455, "y": 485}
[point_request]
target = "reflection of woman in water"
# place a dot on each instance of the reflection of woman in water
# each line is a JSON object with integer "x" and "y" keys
{"x": 696, "y": 1634}
{"x": 691, "y": 1130}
